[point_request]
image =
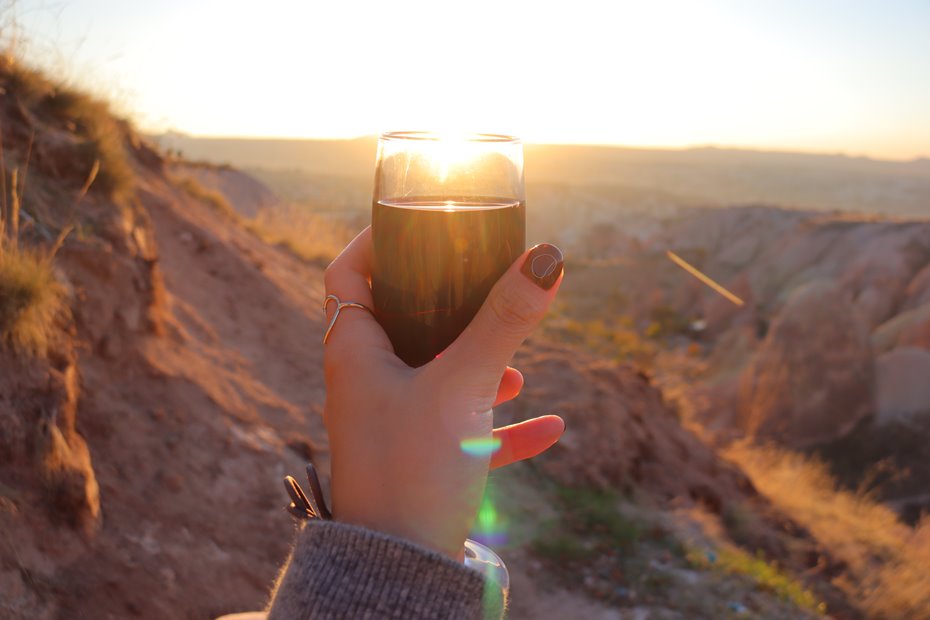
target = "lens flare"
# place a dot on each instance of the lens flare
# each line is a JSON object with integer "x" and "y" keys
{"x": 487, "y": 515}
{"x": 489, "y": 527}
{"x": 480, "y": 446}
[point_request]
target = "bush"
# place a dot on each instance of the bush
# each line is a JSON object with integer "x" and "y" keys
{"x": 561, "y": 547}
{"x": 29, "y": 299}
{"x": 598, "y": 512}
{"x": 99, "y": 136}
{"x": 591, "y": 522}
{"x": 103, "y": 138}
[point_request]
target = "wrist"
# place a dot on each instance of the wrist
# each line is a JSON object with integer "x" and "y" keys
{"x": 413, "y": 531}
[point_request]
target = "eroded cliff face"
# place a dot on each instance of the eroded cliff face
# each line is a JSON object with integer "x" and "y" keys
{"x": 812, "y": 379}
{"x": 825, "y": 295}
{"x": 620, "y": 434}
{"x": 110, "y": 286}
{"x": 142, "y": 445}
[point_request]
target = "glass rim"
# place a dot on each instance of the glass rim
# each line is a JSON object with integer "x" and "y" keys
{"x": 436, "y": 136}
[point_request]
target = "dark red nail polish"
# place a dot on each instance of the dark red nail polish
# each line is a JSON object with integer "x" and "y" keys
{"x": 543, "y": 265}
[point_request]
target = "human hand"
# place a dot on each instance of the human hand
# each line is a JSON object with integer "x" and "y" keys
{"x": 411, "y": 447}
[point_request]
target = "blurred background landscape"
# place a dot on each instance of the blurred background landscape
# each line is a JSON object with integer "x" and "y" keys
{"x": 161, "y": 267}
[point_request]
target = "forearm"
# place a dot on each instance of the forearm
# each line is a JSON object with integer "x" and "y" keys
{"x": 343, "y": 571}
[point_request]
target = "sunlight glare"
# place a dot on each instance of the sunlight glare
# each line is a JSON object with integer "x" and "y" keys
{"x": 453, "y": 153}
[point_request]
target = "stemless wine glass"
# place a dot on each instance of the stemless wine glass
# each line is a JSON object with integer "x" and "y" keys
{"x": 448, "y": 219}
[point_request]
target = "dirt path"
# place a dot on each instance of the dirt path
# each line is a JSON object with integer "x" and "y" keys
{"x": 248, "y": 308}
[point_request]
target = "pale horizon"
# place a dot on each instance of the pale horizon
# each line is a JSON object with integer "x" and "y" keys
{"x": 636, "y": 147}
{"x": 836, "y": 78}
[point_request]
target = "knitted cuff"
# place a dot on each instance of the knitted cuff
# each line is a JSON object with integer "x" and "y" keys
{"x": 342, "y": 571}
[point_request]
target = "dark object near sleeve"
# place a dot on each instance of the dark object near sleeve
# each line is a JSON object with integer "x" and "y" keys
{"x": 343, "y": 571}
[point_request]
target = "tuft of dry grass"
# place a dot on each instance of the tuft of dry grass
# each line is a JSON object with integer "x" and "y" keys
{"x": 30, "y": 298}
{"x": 211, "y": 198}
{"x": 766, "y": 575}
{"x": 309, "y": 236}
{"x": 103, "y": 138}
{"x": 618, "y": 338}
{"x": 99, "y": 136}
{"x": 887, "y": 561}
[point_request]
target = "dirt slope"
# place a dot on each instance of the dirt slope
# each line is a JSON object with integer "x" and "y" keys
{"x": 191, "y": 427}
{"x": 188, "y": 428}
{"x": 141, "y": 458}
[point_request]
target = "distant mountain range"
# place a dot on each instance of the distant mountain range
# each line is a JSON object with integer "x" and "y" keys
{"x": 706, "y": 176}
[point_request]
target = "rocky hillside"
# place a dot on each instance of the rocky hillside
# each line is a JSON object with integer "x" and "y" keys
{"x": 142, "y": 448}
{"x": 844, "y": 303}
{"x": 829, "y": 346}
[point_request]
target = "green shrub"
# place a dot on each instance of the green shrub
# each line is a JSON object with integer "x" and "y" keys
{"x": 561, "y": 547}
{"x": 590, "y": 523}
{"x": 598, "y": 513}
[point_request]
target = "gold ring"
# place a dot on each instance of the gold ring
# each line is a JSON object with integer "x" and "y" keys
{"x": 339, "y": 306}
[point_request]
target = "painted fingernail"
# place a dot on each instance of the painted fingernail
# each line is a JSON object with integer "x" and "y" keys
{"x": 543, "y": 265}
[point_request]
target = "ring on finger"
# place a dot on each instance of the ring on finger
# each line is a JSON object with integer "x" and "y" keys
{"x": 339, "y": 306}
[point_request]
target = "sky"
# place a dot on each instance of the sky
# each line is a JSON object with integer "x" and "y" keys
{"x": 815, "y": 75}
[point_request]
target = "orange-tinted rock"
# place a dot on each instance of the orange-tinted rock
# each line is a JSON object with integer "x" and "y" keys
{"x": 918, "y": 291}
{"x": 721, "y": 314}
{"x": 811, "y": 380}
{"x": 620, "y": 434}
{"x": 902, "y": 386}
{"x": 910, "y": 328}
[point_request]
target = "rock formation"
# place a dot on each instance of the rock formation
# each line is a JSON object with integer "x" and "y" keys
{"x": 902, "y": 386}
{"x": 811, "y": 380}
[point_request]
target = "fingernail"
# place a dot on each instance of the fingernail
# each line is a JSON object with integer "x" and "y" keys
{"x": 543, "y": 265}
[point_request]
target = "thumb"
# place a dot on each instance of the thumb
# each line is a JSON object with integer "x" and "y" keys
{"x": 512, "y": 310}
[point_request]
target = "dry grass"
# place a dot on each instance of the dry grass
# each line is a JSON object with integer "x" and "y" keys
{"x": 888, "y": 561}
{"x": 766, "y": 576}
{"x": 103, "y": 138}
{"x": 98, "y": 135}
{"x": 310, "y": 236}
{"x": 211, "y": 198}
{"x": 30, "y": 298}
{"x": 617, "y": 339}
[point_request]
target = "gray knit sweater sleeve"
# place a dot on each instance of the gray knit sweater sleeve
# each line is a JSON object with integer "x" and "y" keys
{"x": 343, "y": 571}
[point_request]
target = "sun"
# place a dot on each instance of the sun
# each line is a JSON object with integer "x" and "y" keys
{"x": 454, "y": 153}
